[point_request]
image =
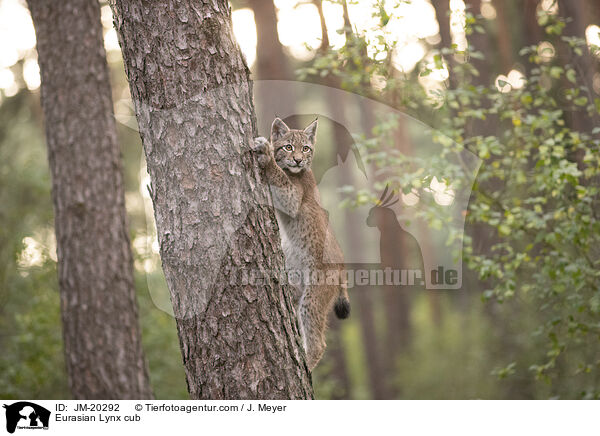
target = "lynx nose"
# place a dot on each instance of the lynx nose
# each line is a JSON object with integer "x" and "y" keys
{"x": 298, "y": 160}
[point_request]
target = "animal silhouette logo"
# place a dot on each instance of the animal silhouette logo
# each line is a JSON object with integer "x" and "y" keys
{"x": 399, "y": 249}
{"x": 26, "y": 415}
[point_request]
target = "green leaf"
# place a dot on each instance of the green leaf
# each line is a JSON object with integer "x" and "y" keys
{"x": 555, "y": 72}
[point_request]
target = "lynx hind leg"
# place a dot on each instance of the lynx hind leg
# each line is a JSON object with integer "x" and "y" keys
{"x": 262, "y": 148}
{"x": 313, "y": 310}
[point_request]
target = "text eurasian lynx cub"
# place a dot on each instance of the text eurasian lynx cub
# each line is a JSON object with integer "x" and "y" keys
{"x": 308, "y": 242}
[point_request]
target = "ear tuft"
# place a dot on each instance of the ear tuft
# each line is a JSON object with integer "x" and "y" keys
{"x": 278, "y": 129}
{"x": 311, "y": 131}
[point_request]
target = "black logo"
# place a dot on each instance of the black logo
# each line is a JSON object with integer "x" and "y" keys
{"x": 26, "y": 415}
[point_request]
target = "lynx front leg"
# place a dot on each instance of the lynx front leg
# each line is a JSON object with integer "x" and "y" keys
{"x": 287, "y": 197}
{"x": 262, "y": 148}
{"x": 311, "y": 314}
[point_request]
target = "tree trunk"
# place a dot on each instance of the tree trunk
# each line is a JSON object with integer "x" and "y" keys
{"x": 442, "y": 15}
{"x": 100, "y": 324}
{"x": 192, "y": 96}
{"x": 365, "y": 294}
{"x": 585, "y": 65}
{"x": 532, "y": 32}
{"x": 324, "y": 35}
{"x": 480, "y": 42}
{"x": 335, "y": 353}
{"x": 503, "y": 35}
{"x": 271, "y": 61}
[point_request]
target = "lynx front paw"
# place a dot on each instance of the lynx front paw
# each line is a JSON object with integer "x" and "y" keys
{"x": 263, "y": 151}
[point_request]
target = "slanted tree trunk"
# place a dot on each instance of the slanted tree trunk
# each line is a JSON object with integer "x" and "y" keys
{"x": 193, "y": 101}
{"x": 100, "y": 324}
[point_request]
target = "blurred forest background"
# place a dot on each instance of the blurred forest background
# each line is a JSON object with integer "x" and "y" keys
{"x": 514, "y": 81}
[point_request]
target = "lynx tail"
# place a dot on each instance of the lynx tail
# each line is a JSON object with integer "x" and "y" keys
{"x": 342, "y": 304}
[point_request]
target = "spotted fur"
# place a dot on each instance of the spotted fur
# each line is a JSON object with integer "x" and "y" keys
{"x": 308, "y": 242}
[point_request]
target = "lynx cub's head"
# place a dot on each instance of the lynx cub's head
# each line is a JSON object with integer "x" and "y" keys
{"x": 293, "y": 149}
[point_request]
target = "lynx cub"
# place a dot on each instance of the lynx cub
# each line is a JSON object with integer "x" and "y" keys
{"x": 308, "y": 242}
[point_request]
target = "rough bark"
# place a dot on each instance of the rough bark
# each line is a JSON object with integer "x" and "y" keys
{"x": 193, "y": 101}
{"x": 100, "y": 325}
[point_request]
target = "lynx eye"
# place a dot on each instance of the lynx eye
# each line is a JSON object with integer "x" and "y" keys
{"x": 288, "y": 147}
{"x": 305, "y": 149}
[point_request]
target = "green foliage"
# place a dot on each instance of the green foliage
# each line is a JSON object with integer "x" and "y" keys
{"x": 429, "y": 371}
{"x": 534, "y": 203}
{"x": 31, "y": 362}
{"x": 536, "y": 194}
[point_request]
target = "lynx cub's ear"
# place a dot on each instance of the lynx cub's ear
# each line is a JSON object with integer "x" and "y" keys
{"x": 278, "y": 130}
{"x": 311, "y": 132}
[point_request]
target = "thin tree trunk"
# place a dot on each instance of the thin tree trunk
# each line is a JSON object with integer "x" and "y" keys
{"x": 481, "y": 43}
{"x": 585, "y": 65}
{"x": 339, "y": 370}
{"x": 342, "y": 146}
{"x": 100, "y": 324}
{"x": 442, "y": 15}
{"x": 365, "y": 294}
{"x": 192, "y": 96}
{"x": 397, "y": 299}
{"x": 374, "y": 358}
{"x": 503, "y": 35}
{"x": 591, "y": 11}
{"x": 532, "y": 32}
{"x": 271, "y": 61}
{"x": 324, "y": 34}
